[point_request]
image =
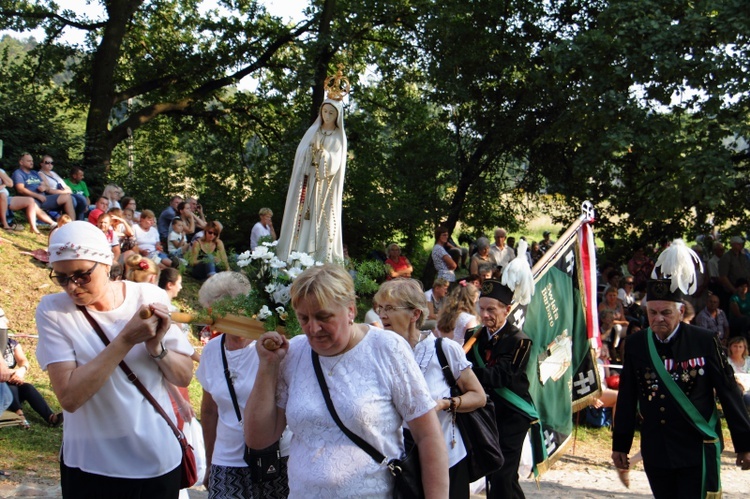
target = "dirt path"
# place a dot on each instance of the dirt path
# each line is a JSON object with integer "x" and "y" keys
{"x": 572, "y": 477}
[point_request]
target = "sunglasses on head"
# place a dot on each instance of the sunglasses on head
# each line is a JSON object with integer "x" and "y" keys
{"x": 78, "y": 278}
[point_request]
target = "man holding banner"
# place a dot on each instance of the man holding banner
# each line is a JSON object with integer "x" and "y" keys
{"x": 671, "y": 372}
{"x": 499, "y": 358}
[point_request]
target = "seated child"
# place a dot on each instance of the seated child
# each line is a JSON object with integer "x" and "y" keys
{"x": 104, "y": 222}
{"x": 177, "y": 244}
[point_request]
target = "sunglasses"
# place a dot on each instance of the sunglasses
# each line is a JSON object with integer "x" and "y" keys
{"x": 78, "y": 278}
{"x": 211, "y": 232}
{"x": 48, "y": 162}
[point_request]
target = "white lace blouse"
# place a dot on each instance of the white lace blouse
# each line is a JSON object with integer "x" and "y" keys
{"x": 374, "y": 387}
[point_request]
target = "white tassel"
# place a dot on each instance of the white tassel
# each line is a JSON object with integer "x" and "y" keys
{"x": 677, "y": 264}
{"x": 517, "y": 276}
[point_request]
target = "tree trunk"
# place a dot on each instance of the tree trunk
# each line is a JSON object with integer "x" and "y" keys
{"x": 324, "y": 52}
{"x": 99, "y": 144}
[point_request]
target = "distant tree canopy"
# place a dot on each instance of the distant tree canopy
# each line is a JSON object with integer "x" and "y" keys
{"x": 469, "y": 112}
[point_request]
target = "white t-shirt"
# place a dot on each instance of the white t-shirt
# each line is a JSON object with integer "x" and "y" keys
{"x": 175, "y": 241}
{"x": 374, "y": 387}
{"x": 625, "y": 298}
{"x": 460, "y": 328}
{"x": 243, "y": 367}
{"x": 427, "y": 359}
{"x": 146, "y": 240}
{"x": 501, "y": 257}
{"x": 117, "y": 432}
{"x": 258, "y": 232}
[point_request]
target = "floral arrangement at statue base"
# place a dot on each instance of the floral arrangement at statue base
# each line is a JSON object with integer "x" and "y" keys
{"x": 269, "y": 300}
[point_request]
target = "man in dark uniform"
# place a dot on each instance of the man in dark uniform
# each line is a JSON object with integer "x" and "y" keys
{"x": 504, "y": 351}
{"x": 661, "y": 364}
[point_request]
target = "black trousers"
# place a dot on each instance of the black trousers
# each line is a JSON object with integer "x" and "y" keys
{"x": 503, "y": 484}
{"x": 669, "y": 483}
{"x": 27, "y": 393}
{"x": 458, "y": 474}
{"x": 78, "y": 484}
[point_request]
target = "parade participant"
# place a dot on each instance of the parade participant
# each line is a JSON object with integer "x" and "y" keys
{"x": 670, "y": 374}
{"x": 499, "y": 359}
{"x": 375, "y": 385}
{"x": 227, "y": 473}
{"x": 402, "y": 308}
{"x": 115, "y": 444}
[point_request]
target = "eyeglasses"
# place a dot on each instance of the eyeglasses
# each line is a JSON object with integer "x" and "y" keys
{"x": 78, "y": 278}
{"x": 388, "y": 309}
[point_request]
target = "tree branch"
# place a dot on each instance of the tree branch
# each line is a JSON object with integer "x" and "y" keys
{"x": 45, "y": 14}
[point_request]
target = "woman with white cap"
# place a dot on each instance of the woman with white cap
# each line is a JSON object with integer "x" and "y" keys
{"x": 115, "y": 444}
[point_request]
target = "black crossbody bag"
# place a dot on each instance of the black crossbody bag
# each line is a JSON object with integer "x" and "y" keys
{"x": 265, "y": 464}
{"x": 478, "y": 428}
{"x": 406, "y": 472}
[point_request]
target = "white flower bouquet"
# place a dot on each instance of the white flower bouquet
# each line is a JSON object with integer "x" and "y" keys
{"x": 269, "y": 299}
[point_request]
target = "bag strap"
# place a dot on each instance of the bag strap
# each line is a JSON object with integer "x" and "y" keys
{"x": 230, "y": 385}
{"x": 369, "y": 449}
{"x": 133, "y": 378}
{"x": 447, "y": 373}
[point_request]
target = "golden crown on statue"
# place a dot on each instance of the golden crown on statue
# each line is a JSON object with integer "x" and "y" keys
{"x": 337, "y": 86}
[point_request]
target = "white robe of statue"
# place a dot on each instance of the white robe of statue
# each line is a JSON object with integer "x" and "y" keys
{"x": 312, "y": 214}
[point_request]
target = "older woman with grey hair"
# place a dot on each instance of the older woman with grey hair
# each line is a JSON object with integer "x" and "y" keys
{"x": 403, "y": 307}
{"x": 227, "y": 473}
{"x": 375, "y": 385}
{"x": 482, "y": 255}
{"x": 115, "y": 444}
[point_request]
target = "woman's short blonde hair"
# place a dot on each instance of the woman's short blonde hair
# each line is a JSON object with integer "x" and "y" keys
{"x": 147, "y": 214}
{"x": 265, "y": 211}
{"x": 138, "y": 268}
{"x": 408, "y": 293}
{"x": 328, "y": 284}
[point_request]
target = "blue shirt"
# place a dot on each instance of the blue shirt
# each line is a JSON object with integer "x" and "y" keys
{"x": 165, "y": 222}
{"x": 30, "y": 180}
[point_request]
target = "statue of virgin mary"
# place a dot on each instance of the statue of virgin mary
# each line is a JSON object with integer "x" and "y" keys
{"x": 312, "y": 214}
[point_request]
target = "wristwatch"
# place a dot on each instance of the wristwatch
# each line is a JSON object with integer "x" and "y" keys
{"x": 162, "y": 354}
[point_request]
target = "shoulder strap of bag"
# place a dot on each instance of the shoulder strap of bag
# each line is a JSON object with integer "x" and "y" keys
{"x": 230, "y": 385}
{"x": 447, "y": 373}
{"x": 133, "y": 378}
{"x": 369, "y": 449}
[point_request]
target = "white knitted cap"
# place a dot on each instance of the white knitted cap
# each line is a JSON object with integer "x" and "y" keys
{"x": 79, "y": 240}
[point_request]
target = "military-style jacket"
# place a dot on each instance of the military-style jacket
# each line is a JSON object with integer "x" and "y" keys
{"x": 506, "y": 357}
{"x": 698, "y": 365}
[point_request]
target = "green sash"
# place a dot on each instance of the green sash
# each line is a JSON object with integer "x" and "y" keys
{"x": 525, "y": 408}
{"x": 711, "y": 443}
